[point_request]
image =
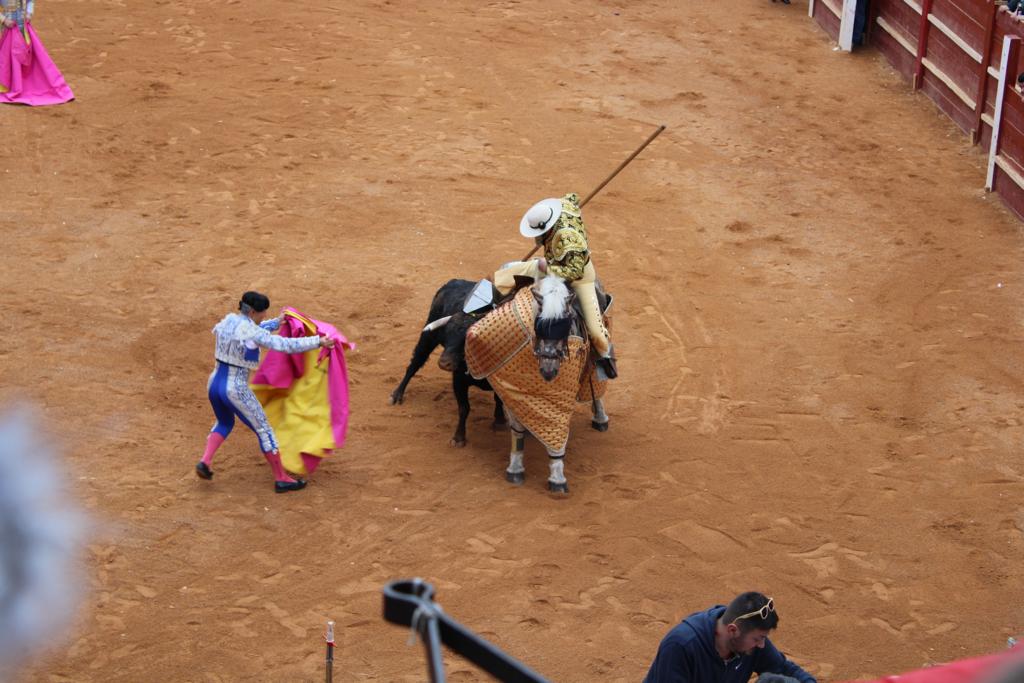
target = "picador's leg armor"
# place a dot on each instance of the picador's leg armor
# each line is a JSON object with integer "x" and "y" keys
{"x": 586, "y": 292}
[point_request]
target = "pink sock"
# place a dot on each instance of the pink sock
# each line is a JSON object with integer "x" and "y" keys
{"x": 274, "y": 458}
{"x": 213, "y": 442}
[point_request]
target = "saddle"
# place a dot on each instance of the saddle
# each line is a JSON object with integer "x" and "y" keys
{"x": 500, "y": 335}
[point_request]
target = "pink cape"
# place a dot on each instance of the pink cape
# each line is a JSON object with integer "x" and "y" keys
{"x": 282, "y": 369}
{"x": 27, "y": 72}
{"x": 986, "y": 669}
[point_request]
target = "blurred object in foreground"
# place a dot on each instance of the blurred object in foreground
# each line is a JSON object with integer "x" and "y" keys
{"x": 40, "y": 535}
{"x": 1006, "y": 666}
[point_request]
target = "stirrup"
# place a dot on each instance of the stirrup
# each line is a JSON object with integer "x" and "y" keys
{"x": 606, "y": 368}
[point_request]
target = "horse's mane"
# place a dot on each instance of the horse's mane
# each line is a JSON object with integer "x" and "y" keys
{"x": 555, "y": 297}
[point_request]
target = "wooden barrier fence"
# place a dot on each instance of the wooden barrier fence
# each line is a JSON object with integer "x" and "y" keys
{"x": 965, "y": 56}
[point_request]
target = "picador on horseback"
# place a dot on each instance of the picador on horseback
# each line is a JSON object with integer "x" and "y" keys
{"x": 557, "y": 224}
{"x": 538, "y": 335}
{"x": 539, "y": 348}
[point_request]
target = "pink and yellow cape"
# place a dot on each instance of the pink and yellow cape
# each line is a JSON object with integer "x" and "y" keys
{"x": 305, "y": 395}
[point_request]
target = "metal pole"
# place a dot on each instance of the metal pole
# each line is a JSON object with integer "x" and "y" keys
{"x": 410, "y": 603}
{"x": 330, "y": 651}
{"x": 431, "y": 634}
{"x": 607, "y": 180}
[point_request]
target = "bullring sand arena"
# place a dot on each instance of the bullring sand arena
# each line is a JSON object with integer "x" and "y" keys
{"x": 817, "y": 322}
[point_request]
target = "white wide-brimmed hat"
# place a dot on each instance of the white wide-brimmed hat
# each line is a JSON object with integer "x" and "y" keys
{"x": 541, "y": 216}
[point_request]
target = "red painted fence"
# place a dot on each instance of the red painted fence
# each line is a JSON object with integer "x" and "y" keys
{"x": 952, "y": 50}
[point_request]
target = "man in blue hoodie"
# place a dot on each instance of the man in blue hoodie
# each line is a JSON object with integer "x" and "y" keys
{"x": 724, "y": 645}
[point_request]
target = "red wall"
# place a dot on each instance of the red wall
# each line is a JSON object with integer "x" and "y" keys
{"x": 828, "y": 21}
{"x": 903, "y": 20}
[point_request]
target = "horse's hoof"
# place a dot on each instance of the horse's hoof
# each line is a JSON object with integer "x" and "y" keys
{"x": 395, "y": 399}
{"x": 599, "y": 426}
{"x": 499, "y": 426}
{"x": 516, "y": 478}
{"x": 558, "y": 488}
{"x": 457, "y": 443}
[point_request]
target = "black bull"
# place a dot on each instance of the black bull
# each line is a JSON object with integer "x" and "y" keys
{"x": 448, "y": 301}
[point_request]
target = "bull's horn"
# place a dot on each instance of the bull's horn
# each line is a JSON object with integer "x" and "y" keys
{"x": 440, "y": 322}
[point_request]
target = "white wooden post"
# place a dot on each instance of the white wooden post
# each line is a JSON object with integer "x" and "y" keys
{"x": 993, "y": 149}
{"x": 848, "y": 15}
{"x": 810, "y": 9}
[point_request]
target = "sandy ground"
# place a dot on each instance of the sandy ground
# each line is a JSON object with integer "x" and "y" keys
{"x": 820, "y": 396}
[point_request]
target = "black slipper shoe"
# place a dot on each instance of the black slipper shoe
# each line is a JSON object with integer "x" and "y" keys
{"x": 286, "y": 486}
{"x": 203, "y": 470}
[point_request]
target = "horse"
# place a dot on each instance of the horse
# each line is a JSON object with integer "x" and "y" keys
{"x": 534, "y": 351}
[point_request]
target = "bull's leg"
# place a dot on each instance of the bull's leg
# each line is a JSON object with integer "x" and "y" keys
{"x": 460, "y": 387}
{"x": 500, "y": 423}
{"x": 428, "y": 341}
{"x": 515, "y": 472}
{"x": 600, "y": 419}
{"x": 556, "y": 474}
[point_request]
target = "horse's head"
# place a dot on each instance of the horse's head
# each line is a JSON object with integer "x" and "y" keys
{"x": 552, "y": 325}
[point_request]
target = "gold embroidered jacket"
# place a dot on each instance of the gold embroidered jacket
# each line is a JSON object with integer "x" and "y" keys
{"x": 566, "y": 247}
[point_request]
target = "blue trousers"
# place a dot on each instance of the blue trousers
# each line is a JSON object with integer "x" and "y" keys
{"x": 230, "y": 395}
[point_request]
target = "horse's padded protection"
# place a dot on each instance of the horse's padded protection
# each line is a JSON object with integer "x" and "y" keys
{"x": 500, "y": 348}
{"x": 500, "y": 335}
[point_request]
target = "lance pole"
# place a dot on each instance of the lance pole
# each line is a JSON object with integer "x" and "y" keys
{"x": 607, "y": 180}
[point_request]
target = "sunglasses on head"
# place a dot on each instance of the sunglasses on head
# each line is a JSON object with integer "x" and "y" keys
{"x": 765, "y": 610}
